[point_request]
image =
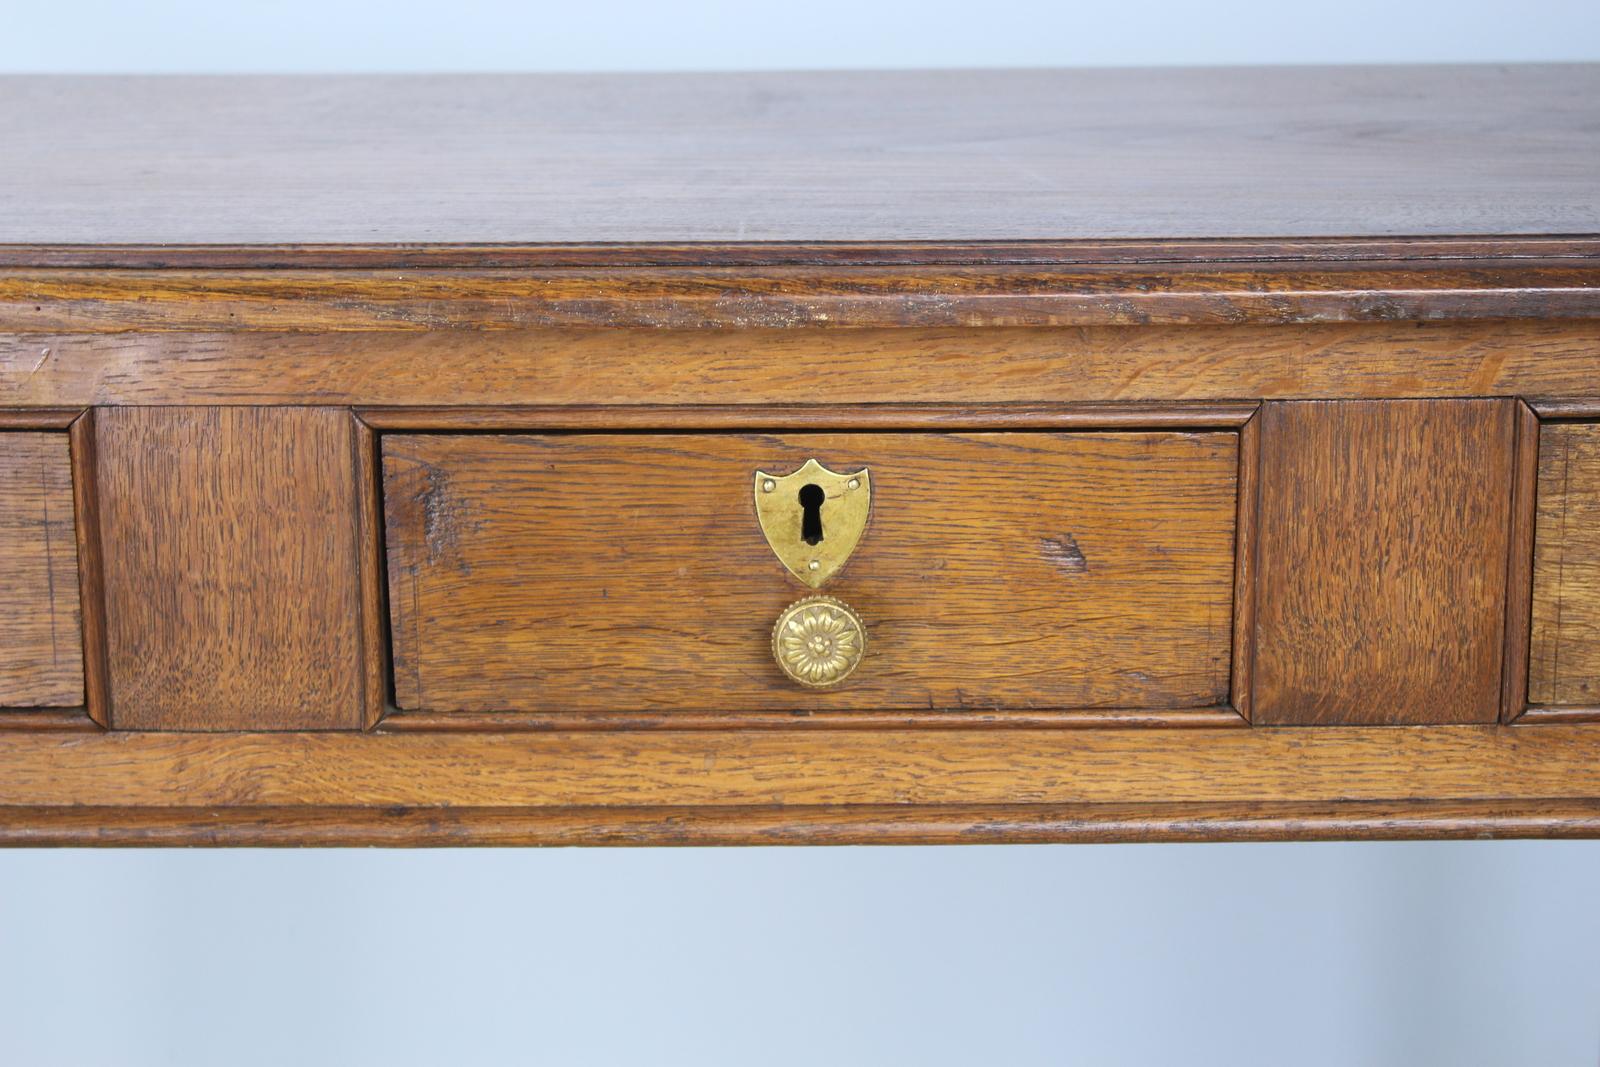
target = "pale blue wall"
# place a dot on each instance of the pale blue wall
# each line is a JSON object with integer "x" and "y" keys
{"x": 339, "y": 35}
{"x": 1452, "y": 953}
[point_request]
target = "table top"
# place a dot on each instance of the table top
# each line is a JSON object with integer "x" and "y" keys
{"x": 874, "y": 157}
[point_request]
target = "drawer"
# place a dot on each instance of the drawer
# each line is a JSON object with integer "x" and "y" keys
{"x": 41, "y": 637}
{"x": 1564, "y": 661}
{"x": 629, "y": 572}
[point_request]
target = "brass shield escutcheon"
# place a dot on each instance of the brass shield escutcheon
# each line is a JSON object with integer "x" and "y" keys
{"x": 813, "y": 503}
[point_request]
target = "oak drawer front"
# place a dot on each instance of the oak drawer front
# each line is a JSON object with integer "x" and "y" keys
{"x": 1564, "y": 662}
{"x": 41, "y": 625}
{"x": 596, "y": 572}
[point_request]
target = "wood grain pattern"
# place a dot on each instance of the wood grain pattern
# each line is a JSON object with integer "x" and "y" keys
{"x": 41, "y": 626}
{"x": 1221, "y": 716}
{"x": 1519, "y": 565}
{"x": 1153, "y": 253}
{"x": 36, "y": 718}
{"x": 1242, "y": 678}
{"x": 229, "y": 537}
{"x": 628, "y": 573}
{"x": 839, "y": 156}
{"x": 861, "y": 418}
{"x": 399, "y": 827}
{"x": 780, "y": 769}
{"x": 1273, "y": 293}
{"x": 1565, "y": 656}
{"x": 39, "y": 418}
{"x": 773, "y": 372}
{"x": 373, "y": 579}
{"x": 91, "y": 570}
{"x": 1543, "y": 714}
{"x": 1566, "y": 407}
{"x": 1383, "y": 544}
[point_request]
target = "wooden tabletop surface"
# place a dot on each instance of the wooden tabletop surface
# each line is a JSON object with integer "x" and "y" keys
{"x": 952, "y": 156}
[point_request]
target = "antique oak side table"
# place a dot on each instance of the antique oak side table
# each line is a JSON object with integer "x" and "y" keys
{"x": 971, "y": 456}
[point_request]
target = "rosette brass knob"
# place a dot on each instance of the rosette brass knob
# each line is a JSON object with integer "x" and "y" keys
{"x": 818, "y": 641}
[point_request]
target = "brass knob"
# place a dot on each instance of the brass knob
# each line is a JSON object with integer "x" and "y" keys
{"x": 818, "y": 641}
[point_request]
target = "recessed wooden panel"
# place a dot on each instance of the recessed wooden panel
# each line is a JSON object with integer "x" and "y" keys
{"x": 1383, "y": 539}
{"x": 628, "y": 572}
{"x": 230, "y": 567}
{"x": 1564, "y": 666}
{"x": 41, "y": 627}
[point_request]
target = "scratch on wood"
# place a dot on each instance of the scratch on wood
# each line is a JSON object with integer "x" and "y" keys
{"x": 444, "y": 518}
{"x": 1064, "y": 552}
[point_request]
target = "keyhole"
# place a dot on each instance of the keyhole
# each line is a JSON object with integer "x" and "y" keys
{"x": 811, "y": 497}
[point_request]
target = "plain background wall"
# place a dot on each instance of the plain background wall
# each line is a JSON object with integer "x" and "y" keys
{"x": 1441, "y": 953}
{"x": 189, "y": 36}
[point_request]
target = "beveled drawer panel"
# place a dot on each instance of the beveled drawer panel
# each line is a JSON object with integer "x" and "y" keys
{"x": 41, "y": 627}
{"x": 1382, "y": 544}
{"x": 628, "y": 572}
{"x": 231, "y": 570}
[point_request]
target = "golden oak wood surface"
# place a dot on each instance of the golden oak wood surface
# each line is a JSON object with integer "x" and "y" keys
{"x": 229, "y": 537}
{"x": 371, "y": 577}
{"x": 629, "y": 573}
{"x": 1514, "y": 666}
{"x": 91, "y": 570}
{"x": 776, "y": 769}
{"x": 41, "y": 642}
{"x": 1274, "y": 292}
{"x": 1565, "y": 658}
{"x": 840, "y": 824}
{"x": 777, "y": 372}
{"x": 1383, "y": 548}
{"x": 1245, "y": 562}
{"x": 784, "y": 157}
